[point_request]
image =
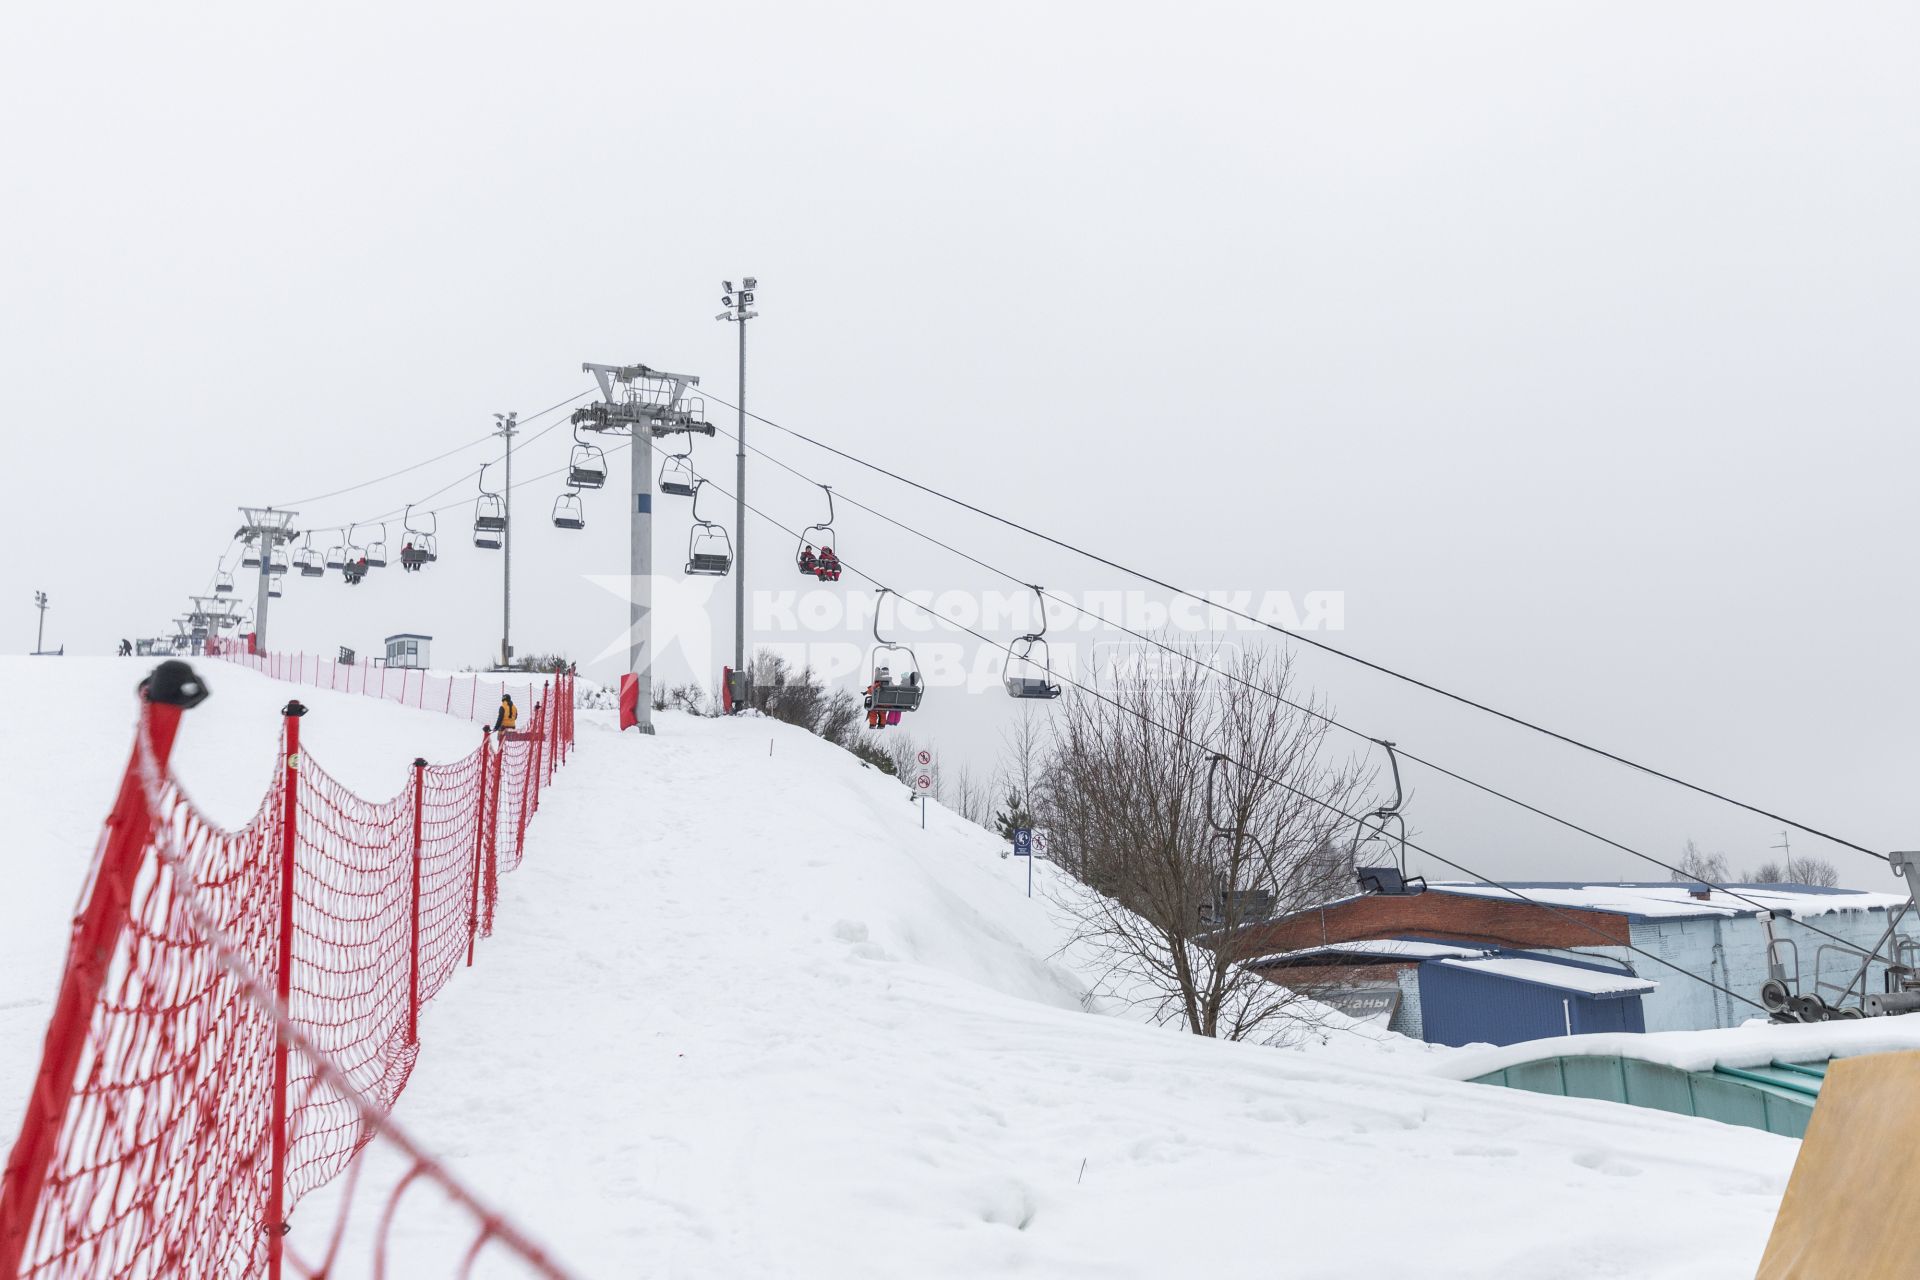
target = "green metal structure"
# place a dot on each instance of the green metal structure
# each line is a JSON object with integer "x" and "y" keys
{"x": 1778, "y": 1097}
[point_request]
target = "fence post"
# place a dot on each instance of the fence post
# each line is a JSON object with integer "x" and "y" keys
{"x": 473, "y": 704}
{"x": 276, "y": 1224}
{"x": 170, "y": 689}
{"x": 479, "y": 838}
{"x": 527, "y": 784}
{"x": 413, "y": 938}
{"x": 492, "y": 885}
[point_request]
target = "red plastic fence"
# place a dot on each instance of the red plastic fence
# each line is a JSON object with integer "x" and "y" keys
{"x": 241, "y": 1008}
{"x": 471, "y": 696}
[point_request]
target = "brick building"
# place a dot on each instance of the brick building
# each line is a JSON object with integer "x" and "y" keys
{"x": 1475, "y": 960}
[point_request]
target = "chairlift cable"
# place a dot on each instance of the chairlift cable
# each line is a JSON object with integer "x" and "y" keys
{"x": 322, "y": 497}
{"x": 1303, "y": 638}
{"x": 1315, "y": 713}
{"x": 1335, "y": 809}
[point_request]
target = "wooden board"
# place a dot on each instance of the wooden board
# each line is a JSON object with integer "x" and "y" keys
{"x": 1852, "y": 1208}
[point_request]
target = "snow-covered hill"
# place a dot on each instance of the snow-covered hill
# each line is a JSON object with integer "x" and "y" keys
{"x": 743, "y": 1017}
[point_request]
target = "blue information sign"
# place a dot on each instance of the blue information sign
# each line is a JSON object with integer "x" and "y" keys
{"x": 1023, "y": 842}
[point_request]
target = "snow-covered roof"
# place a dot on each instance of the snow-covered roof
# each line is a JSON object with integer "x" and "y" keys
{"x": 1667, "y": 899}
{"x": 1753, "y": 1044}
{"x": 1404, "y": 948}
{"x": 1562, "y": 977}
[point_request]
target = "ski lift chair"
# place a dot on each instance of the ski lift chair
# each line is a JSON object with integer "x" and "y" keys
{"x": 587, "y": 465}
{"x": 250, "y": 555}
{"x": 568, "y": 513}
{"x": 825, "y": 563}
{"x": 1388, "y": 882}
{"x": 1029, "y": 672}
{"x": 676, "y": 475}
{"x": 489, "y": 516}
{"x": 277, "y": 563}
{"x": 336, "y": 556}
{"x": 709, "y": 546}
{"x": 488, "y": 526}
{"x": 891, "y": 692}
{"x": 222, "y": 583}
{"x": 1386, "y": 825}
{"x": 273, "y": 588}
{"x": 307, "y": 561}
{"x": 377, "y": 549}
{"x": 425, "y": 543}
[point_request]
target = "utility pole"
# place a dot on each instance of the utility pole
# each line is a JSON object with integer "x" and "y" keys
{"x": 507, "y": 427}
{"x": 271, "y": 528}
{"x": 739, "y": 303}
{"x": 1786, "y": 846}
{"x": 40, "y": 636}
{"x": 645, "y": 404}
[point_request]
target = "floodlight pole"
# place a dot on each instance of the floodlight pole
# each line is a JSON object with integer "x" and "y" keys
{"x": 270, "y": 527}
{"x": 738, "y": 304}
{"x": 507, "y": 429}
{"x": 40, "y": 636}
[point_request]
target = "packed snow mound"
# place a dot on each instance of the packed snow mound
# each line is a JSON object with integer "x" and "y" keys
{"x": 742, "y": 1016}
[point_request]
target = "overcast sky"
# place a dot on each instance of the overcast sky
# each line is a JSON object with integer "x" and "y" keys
{"x": 1573, "y": 345}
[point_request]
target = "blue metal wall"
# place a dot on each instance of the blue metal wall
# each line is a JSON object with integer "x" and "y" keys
{"x": 1462, "y": 1005}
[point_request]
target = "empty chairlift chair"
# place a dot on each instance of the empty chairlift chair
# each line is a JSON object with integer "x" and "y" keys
{"x": 1029, "y": 671}
{"x": 568, "y": 513}
{"x": 307, "y": 561}
{"x": 336, "y": 556}
{"x": 676, "y": 474}
{"x": 278, "y": 563}
{"x": 709, "y": 546}
{"x": 1384, "y": 831}
{"x": 222, "y": 582}
{"x": 587, "y": 465}
{"x": 489, "y": 517}
{"x": 250, "y": 555}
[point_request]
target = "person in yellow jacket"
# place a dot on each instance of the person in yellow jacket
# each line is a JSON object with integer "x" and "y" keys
{"x": 508, "y": 717}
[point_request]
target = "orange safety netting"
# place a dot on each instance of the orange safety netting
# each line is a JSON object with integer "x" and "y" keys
{"x": 241, "y": 1008}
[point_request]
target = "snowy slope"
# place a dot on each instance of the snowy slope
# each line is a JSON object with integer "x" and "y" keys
{"x": 743, "y": 1017}
{"x": 61, "y": 760}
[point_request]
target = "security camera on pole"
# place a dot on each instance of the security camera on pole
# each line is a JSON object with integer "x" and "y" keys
{"x": 642, "y": 403}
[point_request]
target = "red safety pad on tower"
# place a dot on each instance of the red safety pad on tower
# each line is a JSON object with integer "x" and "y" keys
{"x": 629, "y": 700}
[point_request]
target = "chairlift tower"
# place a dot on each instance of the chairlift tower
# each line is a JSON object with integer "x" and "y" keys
{"x": 272, "y": 528}
{"x": 217, "y": 613}
{"x": 738, "y": 304}
{"x": 645, "y": 404}
{"x": 40, "y": 636}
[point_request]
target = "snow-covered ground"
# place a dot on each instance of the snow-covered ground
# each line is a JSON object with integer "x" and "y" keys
{"x": 743, "y": 1017}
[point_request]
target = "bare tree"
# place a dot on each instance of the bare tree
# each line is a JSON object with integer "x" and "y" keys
{"x": 1816, "y": 871}
{"x": 1707, "y": 868}
{"x": 1768, "y": 873}
{"x": 965, "y": 794}
{"x": 1183, "y": 854}
{"x": 1023, "y": 766}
